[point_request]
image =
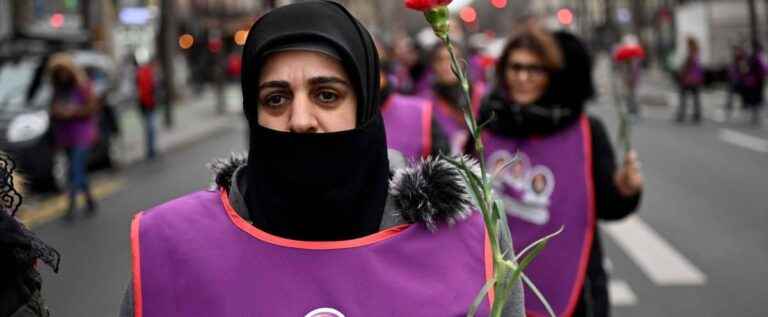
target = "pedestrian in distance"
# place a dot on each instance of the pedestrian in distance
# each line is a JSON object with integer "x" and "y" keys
{"x": 735, "y": 69}
{"x": 411, "y": 128}
{"x": 752, "y": 73}
{"x": 147, "y": 86}
{"x": 310, "y": 222}
{"x": 74, "y": 112}
{"x": 447, "y": 95}
{"x": 564, "y": 173}
{"x": 690, "y": 78}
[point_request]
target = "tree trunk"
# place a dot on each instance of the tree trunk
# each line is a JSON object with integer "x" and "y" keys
{"x": 165, "y": 48}
{"x": 753, "y": 29}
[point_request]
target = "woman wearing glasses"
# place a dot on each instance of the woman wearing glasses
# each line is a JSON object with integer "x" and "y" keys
{"x": 570, "y": 178}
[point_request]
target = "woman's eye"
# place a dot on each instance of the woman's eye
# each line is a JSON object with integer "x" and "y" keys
{"x": 274, "y": 100}
{"x": 327, "y": 96}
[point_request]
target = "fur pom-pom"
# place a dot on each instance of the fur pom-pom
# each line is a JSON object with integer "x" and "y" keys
{"x": 223, "y": 169}
{"x": 431, "y": 192}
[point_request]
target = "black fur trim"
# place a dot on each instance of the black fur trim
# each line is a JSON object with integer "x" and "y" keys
{"x": 431, "y": 192}
{"x": 223, "y": 169}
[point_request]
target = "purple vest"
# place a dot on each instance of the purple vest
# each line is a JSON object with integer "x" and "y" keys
{"x": 551, "y": 186}
{"x": 452, "y": 122}
{"x": 195, "y": 256}
{"x": 408, "y": 122}
{"x": 79, "y": 132}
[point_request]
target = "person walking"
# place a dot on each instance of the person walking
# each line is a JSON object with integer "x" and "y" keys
{"x": 147, "y": 87}
{"x": 411, "y": 128}
{"x": 447, "y": 95}
{"x": 752, "y": 73}
{"x": 564, "y": 173}
{"x": 690, "y": 79}
{"x": 735, "y": 70}
{"x": 310, "y": 223}
{"x": 74, "y": 112}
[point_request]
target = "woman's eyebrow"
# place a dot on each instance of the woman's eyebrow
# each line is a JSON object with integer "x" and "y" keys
{"x": 275, "y": 84}
{"x": 327, "y": 80}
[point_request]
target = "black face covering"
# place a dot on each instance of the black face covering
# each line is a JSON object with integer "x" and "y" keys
{"x": 325, "y": 186}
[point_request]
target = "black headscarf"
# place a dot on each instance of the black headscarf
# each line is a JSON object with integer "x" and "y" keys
{"x": 561, "y": 104}
{"x": 316, "y": 186}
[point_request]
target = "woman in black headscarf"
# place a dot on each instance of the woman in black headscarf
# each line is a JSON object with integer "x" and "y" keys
{"x": 565, "y": 175}
{"x": 310, "y": 222}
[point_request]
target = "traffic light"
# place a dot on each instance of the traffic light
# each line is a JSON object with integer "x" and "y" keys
{"x": 565, "y": 16}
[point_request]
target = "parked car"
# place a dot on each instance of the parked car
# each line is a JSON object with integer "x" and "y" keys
{"x": 25, "y": 124}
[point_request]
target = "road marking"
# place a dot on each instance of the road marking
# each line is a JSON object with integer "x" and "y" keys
{"x": 744, "y": 140}
{"x": 55, "y": 207}
{"x": 656, "y": 257}
{"x": 621, "y": 294}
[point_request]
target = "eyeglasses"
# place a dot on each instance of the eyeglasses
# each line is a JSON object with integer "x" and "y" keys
{"x": 533, "y": 70}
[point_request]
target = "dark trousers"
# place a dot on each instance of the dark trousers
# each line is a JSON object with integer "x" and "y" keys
{"x": 681, "y": 110}
{"x": 150, "y": 132}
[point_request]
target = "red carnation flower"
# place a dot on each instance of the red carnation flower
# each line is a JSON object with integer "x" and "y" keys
{"x": 425, "y": 5}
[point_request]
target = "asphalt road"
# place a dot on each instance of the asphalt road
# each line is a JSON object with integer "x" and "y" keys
{"x": 696, "y": 248}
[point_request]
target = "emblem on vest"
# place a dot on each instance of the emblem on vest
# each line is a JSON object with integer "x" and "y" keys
{"x": 324, "y": 312}
{"x": 525, "y": 189}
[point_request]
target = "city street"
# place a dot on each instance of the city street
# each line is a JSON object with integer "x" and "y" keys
{"x": 696, "y": 247}
{"x": 128, "y": 101}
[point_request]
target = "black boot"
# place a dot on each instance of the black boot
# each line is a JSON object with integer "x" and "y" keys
{"x": 70, "y": 215}
{"x": 90, "y": 204}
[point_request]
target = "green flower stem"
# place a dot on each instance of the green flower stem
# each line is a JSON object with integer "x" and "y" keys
{"x": 501, "y": 267}
{"x": 507, "y": 272}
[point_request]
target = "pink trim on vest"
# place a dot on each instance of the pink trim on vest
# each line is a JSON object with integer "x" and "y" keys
{"x": 308, "y": 245}
{"x": 426, "y": 129}
{"x": 136, "y": 266}
{"x": 589, "y": 235}
{"x": 489, "y": 272}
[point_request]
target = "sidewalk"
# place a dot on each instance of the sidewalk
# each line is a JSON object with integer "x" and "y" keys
{"x": 194, "y": 117}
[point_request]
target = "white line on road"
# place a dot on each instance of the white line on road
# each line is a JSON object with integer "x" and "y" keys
{"x": 621, "y": 294}
{"x": 744, "y": 140}
{"x": 656, "y": 257}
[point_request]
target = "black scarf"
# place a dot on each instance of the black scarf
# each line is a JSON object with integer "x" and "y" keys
{"x": 561, "y": 104}
{"x": 320, "y": 187}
